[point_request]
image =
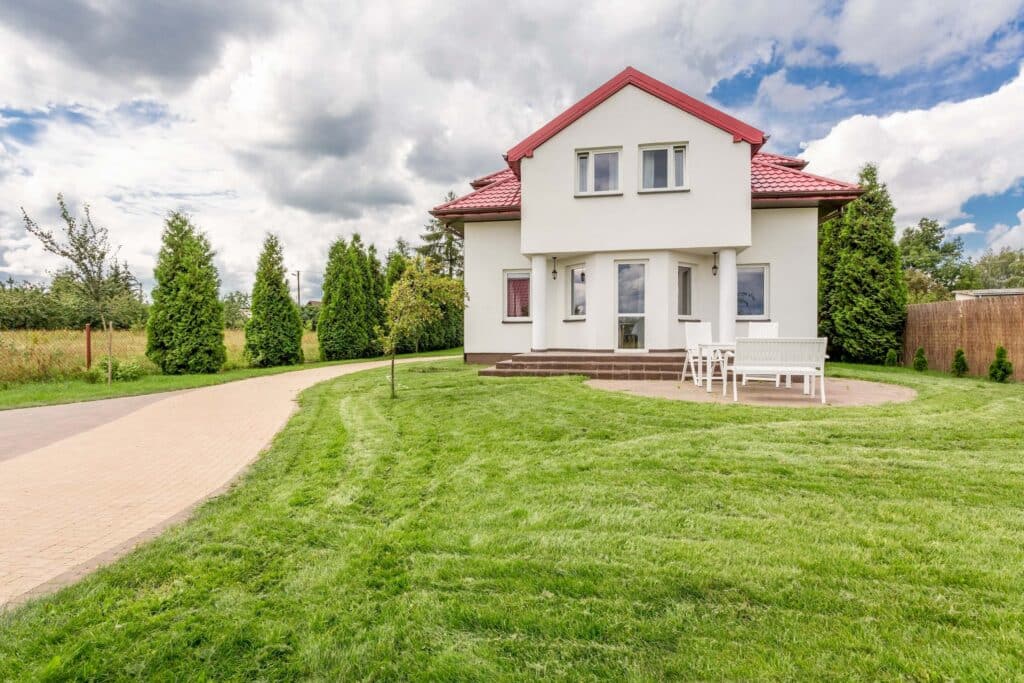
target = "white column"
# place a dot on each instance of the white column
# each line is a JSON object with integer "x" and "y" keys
{"x": 727, "y": 295}
{"x": 538, "y": 301}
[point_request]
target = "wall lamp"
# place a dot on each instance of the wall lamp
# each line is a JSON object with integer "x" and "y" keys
{"x": 714, "y": 267}
{"x": 554, "y": 267}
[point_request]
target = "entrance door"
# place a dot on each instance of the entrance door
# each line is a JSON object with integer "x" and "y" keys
{"x": 630, "y": 286}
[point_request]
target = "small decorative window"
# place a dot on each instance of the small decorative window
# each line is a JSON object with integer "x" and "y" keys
{"x": 662, "y": 167}
{"x": 684, "y": 285}
{"x": 517, "y": 295}
{"x": 752, "y": 291}
{"x": 577, "y": 292}
{"x": 597, "y": 172}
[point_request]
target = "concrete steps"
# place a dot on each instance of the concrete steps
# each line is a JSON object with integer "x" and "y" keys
{"x": 640, "y": 366}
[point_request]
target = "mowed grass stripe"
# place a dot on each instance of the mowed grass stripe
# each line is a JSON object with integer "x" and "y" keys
{"x": 493, "y": 529}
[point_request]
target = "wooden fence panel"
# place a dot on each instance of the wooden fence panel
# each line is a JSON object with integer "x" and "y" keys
{"x": 975, "y": 325}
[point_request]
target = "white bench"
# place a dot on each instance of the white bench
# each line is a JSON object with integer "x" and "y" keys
{"x": 780, "y": 356}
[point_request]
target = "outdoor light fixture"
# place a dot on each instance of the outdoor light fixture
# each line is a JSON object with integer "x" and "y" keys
{"x": 554, "y": 267}
{"x": 714, "y": 268}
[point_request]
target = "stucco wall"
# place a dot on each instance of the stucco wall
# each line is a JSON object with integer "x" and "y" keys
{"x": 787, "y": 239}
{"x": 490, "y": 249}
{"x": 714, "y": 212}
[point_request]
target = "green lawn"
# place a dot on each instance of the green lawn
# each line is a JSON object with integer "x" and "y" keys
{"x": 494, "y": 529}
{"x": 73, "y": 390}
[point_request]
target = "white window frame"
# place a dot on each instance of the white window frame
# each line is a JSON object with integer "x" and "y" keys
{"x": 517, "y": 274}
{"x": 568, "y": 290}
{"x": 590, "y": 192}
{"x": 670, "y": 147}
{"x": 647, "y": 267}
{"x": 767, "y": 290}
{"x": 691, "y": 316}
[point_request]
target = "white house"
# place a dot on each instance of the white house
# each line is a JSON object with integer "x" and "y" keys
{"x": 635, "y": 210}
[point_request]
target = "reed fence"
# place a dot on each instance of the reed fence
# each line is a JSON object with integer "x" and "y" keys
{"x": 975, "y": 325}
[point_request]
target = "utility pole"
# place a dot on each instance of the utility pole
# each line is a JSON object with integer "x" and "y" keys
{"x": 298, "y": 288}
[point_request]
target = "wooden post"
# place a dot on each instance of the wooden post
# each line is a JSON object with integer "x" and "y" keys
{"x": 88, "y": 346}
{"x": 110, "y": 352}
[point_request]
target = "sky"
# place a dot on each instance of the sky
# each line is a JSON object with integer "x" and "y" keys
{"x": 317, "y": 119}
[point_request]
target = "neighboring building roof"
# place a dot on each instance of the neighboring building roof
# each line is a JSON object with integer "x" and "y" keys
{"x": 982, "y": 293}
{"x": 774, "y": 181}
{"x": 629, "y": 76}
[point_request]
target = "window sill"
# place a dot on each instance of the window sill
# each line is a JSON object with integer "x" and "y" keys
{"x": 517, "y": 321}
{"x": 574, "y": 320}
{"x": 754, "y": 319}
{"x": 662, "y": 190}
{"x": 687, "y": 319}
{"x": 587, "y": 195}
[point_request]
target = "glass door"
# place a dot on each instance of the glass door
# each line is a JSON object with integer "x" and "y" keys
{"x": 630, "y": 286}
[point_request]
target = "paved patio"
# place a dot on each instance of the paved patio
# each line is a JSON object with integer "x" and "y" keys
{"x": 74, "y": 503}
{"x": 838, "y": 392}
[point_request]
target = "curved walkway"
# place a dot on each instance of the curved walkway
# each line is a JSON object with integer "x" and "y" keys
{"x": 81, "y": 500}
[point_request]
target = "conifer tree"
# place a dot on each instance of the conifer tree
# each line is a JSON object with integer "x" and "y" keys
{"x": 328, "y": 329}
{"x": 185, "y": 330}
{"x": 273, "y": 334}
{"x": 442, "y": 245}
{"x": 863, "y": 288}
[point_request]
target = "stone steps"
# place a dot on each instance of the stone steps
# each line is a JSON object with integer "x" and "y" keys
{"x": 640, "y": 366}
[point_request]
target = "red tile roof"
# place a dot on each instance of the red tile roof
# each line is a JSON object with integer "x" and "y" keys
{"x": 780, "y": 159}
{"x": 629, "y": 76}
{"x": 769, "y": 178}
{"x": 483, "y": 181}
{"x": 499, "y": 198}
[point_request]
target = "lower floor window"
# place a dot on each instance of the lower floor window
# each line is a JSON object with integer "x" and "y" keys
{"x": 685, "y": 286}
{"x": 752, "y": 291}
{"x": 517, "y": 295}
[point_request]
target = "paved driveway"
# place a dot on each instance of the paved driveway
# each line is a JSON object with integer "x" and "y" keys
{"x": 102, "y": 476}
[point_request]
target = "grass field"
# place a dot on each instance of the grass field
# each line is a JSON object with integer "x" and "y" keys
{"x": 495, "y": 529}
{"x": 41, "y": 355}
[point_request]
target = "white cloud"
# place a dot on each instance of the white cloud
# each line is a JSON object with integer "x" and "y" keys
{"x": 1007, "y": 236}
{"x": 891, "y": 37}
{"x": 962, "y": 229}
{"x": 933, "y": 159}
{"x": 777, "y": 92}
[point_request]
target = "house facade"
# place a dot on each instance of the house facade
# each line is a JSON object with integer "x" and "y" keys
{"x": 634, "y": 211}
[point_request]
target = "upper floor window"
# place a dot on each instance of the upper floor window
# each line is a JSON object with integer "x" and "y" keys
{"x": 597, "y": 171}
{"x": 663, "y": 167}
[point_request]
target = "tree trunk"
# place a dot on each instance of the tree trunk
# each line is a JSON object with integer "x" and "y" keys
{"x": 393, "y": 394}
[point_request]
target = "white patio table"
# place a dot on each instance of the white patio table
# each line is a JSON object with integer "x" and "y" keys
{"x": 715, "y": 353}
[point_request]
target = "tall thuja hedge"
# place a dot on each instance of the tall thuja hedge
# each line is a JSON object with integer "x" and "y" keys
{"x": 185, "y": 330}
{"x": 863, "y": 293}
{"x": 344, "y": 330}
{"x": 273, "y": 334}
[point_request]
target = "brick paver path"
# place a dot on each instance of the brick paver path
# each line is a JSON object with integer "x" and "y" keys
{"x": 81, "y": 501}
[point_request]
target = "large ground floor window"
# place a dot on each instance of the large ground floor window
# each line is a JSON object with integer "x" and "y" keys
{"x": 752, "y": 291}
{"x": 630, "y": 294}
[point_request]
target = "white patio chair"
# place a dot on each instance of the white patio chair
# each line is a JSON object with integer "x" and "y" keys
{"x": 757, "y": 330}
{"x": 696, "y": 334}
